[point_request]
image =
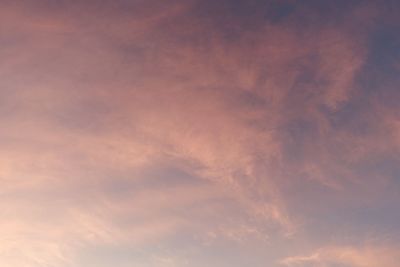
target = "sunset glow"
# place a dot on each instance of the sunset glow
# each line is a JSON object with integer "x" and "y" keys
{"x": 200, "y": 133}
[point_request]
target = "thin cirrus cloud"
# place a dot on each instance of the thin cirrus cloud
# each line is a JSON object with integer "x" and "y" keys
{"x": 198, "y": 133}
{"x": 348, "y": 256}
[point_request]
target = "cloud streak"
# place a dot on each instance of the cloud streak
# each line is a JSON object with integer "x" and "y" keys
{"x": 162, "y": 134}
{"x": 348, "y": 256}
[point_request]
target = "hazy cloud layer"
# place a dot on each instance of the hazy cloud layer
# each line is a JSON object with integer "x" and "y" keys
{"x": 199, "y": 133}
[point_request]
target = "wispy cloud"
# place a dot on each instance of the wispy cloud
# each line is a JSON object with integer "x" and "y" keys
{"x": 367, "y": 256}
{"x": 194, "y": 125}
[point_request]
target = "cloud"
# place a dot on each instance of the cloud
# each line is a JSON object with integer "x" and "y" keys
{"x": 135, "y": 123}
{"x": 367, "y": 256}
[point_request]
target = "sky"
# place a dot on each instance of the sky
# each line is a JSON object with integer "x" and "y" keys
{"x": 192, "y": 133}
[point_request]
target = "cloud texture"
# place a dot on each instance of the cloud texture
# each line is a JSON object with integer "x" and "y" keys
{"x": 199, "y": 133}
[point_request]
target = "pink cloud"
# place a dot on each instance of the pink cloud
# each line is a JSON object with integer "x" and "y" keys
{"x": 98, "y": 104}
